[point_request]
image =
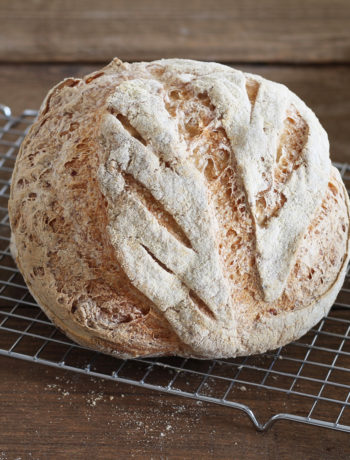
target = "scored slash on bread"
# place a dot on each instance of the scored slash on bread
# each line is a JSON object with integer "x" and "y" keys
{"x": 179, "y": 207}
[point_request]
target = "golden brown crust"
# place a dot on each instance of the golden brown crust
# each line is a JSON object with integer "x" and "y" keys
{"x": 60, "y": 217}
{"x": 65, "y": 254}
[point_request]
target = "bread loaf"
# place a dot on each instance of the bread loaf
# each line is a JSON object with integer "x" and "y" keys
{"x": 179, "y": 208}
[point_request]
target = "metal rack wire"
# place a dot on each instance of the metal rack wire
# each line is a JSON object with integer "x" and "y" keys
{"x": 307, "y": 381}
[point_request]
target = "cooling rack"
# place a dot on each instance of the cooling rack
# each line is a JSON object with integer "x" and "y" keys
{"x": 307, "y": 381}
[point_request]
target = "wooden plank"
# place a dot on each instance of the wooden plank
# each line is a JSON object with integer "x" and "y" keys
{"x": 325, "y": 89}
{"x": 223, "y": 30}
{"x": 48, "y": 413}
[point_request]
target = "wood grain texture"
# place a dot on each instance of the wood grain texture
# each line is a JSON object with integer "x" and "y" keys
{"x": 325, "y": 89}
{"x": 49, "y": 414}
{"x": 221, "y": 30}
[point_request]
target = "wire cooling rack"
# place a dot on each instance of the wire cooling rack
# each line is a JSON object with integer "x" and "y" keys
{"x": 307, "y": 381}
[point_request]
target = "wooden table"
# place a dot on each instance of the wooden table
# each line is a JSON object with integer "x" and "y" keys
{"x": 52, "y": 414}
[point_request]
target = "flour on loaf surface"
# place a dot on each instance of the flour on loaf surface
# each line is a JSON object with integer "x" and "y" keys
{"x": 249, "y": 254}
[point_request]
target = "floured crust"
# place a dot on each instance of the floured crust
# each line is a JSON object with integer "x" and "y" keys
{"x": 179, "y": 207}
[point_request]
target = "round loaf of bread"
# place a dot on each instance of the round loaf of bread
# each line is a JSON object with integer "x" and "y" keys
{"x": 179, "y": 208}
